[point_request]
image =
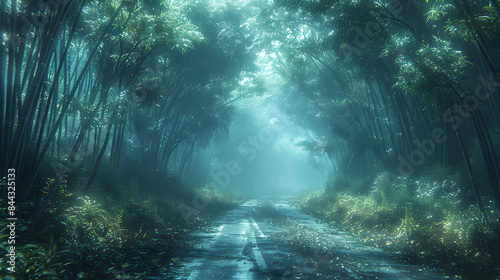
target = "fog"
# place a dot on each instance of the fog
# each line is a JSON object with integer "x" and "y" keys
{"x": 259, "y": 155}
{"x": 126, "y": 125}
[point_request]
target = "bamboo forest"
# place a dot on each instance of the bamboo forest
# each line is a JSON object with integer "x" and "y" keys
{"x": 250, "y": 139}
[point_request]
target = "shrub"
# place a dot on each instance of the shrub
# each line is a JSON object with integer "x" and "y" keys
{"x": 387, "y": 191}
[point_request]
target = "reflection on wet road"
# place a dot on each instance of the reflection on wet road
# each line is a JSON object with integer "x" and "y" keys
{"x": 269, "y": 239}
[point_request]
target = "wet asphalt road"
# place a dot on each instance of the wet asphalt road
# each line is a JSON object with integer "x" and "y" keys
{"x": 269, "y": 239}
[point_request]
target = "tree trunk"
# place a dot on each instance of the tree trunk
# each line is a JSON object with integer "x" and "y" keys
{"x": 101, "y": 153}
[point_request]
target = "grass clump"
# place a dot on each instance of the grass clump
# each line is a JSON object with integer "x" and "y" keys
{"x": 426, "y": 221}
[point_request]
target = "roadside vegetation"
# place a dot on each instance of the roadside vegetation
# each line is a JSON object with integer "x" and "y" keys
{"x": 97, "y": 236}
{"x": 423, "y": 219}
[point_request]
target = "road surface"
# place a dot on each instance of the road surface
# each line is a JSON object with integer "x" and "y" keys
{"x": 269, "y": 239}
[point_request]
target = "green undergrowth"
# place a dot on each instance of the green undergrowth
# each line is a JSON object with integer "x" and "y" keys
{"x": 103, "y": 238}
{"x": 424, "y": 221}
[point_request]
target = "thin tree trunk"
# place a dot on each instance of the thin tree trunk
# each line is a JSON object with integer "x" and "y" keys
{"x": 101, "y": 153}
{"x": 469, "y": 170}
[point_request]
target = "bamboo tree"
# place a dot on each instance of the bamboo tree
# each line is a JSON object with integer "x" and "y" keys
{"x": 65, "y": 107}
{"x": 102, "y": 151}
{"x": 469, "y": 170}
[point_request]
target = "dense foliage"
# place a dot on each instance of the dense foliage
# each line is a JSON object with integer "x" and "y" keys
{"x": 103, "y": 106}
{"x": 120, "y": 102}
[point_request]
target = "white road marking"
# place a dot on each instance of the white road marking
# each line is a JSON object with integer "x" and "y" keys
{"x": 261, "y": 234}
{"x": 256, "y": 251}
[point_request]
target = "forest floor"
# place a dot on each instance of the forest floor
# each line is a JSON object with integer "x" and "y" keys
{"x": 270, "y": 239}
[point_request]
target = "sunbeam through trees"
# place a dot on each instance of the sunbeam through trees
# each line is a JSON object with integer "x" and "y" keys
{"x": 250, "y": 139}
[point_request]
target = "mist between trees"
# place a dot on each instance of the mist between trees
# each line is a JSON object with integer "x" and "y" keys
{"x": 129, "y": 101}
